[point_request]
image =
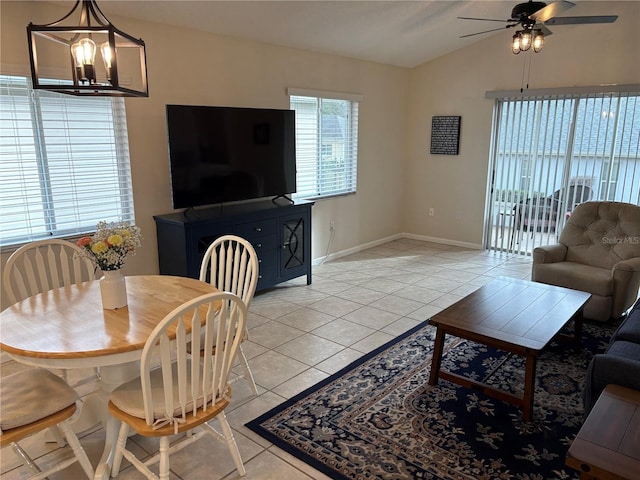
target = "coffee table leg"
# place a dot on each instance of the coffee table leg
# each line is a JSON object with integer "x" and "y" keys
{"x": 577, "y": 330}
{"x": 529, "y": 387}
{"x": 437, "y": 356}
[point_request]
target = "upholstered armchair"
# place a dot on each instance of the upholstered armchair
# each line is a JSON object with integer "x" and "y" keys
{"x": 598, "y": 252}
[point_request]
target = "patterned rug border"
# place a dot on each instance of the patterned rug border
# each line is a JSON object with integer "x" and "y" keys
{"x": 254, "y": 425}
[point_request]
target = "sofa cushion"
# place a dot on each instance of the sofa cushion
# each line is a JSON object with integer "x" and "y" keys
{"x": 577, "y": 276}
{"x": 622, "y": 348}
{"x": 629, "y": 330}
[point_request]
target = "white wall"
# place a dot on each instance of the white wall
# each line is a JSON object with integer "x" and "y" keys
{"x": 455, "y": 84}
{"x": 398, "y": 180}
{"x": 192, "y": 67}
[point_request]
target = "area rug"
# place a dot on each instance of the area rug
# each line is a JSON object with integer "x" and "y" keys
{"x": 379, "y": 419}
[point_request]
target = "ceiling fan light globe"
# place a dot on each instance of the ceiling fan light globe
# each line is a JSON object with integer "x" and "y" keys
{"x": 515, "y": 43}
{"x": 538, "y": 42}
{"x": 525, "y": 41}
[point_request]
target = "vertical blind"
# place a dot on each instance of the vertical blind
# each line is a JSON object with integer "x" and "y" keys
{"x": 326, "y": 144}
{"x": 64, "y": 163}
{"x": 553, "y": 152}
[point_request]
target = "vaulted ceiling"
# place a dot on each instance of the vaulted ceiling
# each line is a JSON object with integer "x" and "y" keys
{"x": 401, "y": 33}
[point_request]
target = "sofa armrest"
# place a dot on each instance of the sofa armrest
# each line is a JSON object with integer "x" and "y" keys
{"x": 626, "y": 281}
{"x": 549, "y": 253}
{"x": 609, "y": 369}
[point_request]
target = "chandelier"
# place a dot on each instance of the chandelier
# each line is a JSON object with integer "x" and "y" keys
{"x": 63, "y": 58}
{"x": 523, "y": 40}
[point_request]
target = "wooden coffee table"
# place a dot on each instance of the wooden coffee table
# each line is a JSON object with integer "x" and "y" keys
{"x": 513, "y": 315}
{"x": 608, "y": 444}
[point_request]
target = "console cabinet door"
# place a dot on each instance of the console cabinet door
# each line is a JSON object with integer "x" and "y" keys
{"x": 295, "y": 256}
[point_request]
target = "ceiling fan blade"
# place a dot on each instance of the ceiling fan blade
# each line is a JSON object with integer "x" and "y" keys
{"x": 581, "y": 20}
{"x": 486, "y": 31}
{"x": 551, "y": 10}
{"x": 485, "y": 19}
{"x": 545, "y": 31}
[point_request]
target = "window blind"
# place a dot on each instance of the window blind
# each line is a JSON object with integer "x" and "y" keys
{"x": 326, "y": 145}
{"x": 553, "y": 152}
{"x": 64, "y": 163}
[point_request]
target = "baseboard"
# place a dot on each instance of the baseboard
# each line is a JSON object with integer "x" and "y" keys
{"x": 398, "y": 236}
{"x": 443, "y": 241}
{"x": 356, "y": 249}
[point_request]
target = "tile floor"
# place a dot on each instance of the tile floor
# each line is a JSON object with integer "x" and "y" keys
{"x": 300, "y": 335}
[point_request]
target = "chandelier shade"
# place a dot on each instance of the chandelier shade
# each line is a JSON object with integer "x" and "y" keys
{"x": 89, "y": 58}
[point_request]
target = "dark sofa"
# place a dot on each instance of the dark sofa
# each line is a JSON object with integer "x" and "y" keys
{"x": 620, "y": 364}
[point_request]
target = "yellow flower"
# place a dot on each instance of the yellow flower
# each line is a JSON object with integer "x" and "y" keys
{"x": 99, "y": 247}
{"x": 115, "y": 240}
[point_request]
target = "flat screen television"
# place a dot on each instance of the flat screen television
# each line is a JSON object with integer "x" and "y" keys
{"x": 229, "y": 154}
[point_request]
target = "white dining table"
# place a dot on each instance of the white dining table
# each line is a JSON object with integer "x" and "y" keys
{"x": 68, "y": 328}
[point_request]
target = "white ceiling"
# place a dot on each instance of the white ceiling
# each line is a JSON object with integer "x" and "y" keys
{"x": 402, "y": 33}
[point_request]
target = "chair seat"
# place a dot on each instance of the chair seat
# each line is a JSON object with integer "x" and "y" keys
{"x": 140, "y": 426}
{"x": 128, "y": 397}
{"x": 33, "y": 395}
{"x": 32, "y": 401}
{"x": 587, "y": 278}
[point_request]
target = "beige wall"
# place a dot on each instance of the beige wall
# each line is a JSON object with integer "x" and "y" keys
{"x": 455, "y": 84}
{"x": 193, "y": 67}
{"x": 398, "y": 180}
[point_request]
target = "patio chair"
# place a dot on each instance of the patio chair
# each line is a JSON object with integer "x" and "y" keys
{"x": 543, "y": 214}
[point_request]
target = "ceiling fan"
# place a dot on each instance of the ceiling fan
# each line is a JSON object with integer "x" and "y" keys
{"x": 534, "y": 17}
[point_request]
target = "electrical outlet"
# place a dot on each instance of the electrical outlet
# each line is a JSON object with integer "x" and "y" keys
{"x": 432, "y": 212}
{"x": 332, "y": 225}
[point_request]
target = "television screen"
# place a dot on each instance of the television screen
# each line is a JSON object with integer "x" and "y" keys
{"x": 226, "y": 154}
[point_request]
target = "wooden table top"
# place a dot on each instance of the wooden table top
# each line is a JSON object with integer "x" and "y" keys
{"x": 518, "y": 312}
{"x": 608, "y": 444}
{"x": 70, "y": 323}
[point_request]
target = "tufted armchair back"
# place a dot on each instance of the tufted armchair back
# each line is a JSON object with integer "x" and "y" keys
{"x": 602, "y": 233}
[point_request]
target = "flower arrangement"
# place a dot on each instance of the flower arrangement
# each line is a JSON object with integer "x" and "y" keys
{"x": 111, "y": 244}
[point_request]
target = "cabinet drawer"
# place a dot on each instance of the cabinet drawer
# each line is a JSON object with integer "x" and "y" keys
{"x": 267, "y": 271}
{"x": 266, "y": 243}
{"x": 251, "y": 230}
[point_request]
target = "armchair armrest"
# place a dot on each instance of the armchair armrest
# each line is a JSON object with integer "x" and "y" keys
{"x": 626, "y": 281}
{"x": 549, "y": 253}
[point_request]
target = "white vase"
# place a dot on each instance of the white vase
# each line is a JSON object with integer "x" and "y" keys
{"x": 113, "y": 290}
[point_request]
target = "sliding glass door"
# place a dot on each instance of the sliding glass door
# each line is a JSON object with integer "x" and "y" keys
{"x": 553, "y": 152}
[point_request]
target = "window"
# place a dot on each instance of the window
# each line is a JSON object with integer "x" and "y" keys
{"x": 554, "y": 151}
{"x": 326, "y": 143}
{"x": 64, "y": 163}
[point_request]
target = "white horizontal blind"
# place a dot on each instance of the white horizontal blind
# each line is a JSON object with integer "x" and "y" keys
{"x": 64, "y": 163}
{"x": 573, "y": 148}
{"x": 326, "y": 146}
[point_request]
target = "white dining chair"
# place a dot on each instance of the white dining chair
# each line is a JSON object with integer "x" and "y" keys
{"x": 231, "y": 265}
{"x": 177, "y": 392}
{"x": 44, "y": 265}
{"x": 32, "y": 401}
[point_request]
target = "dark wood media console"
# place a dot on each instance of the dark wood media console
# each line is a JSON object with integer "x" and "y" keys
{"x": 281, "y": 236}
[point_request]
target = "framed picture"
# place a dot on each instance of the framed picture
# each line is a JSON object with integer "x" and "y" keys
{"x": 445, "y": 135}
